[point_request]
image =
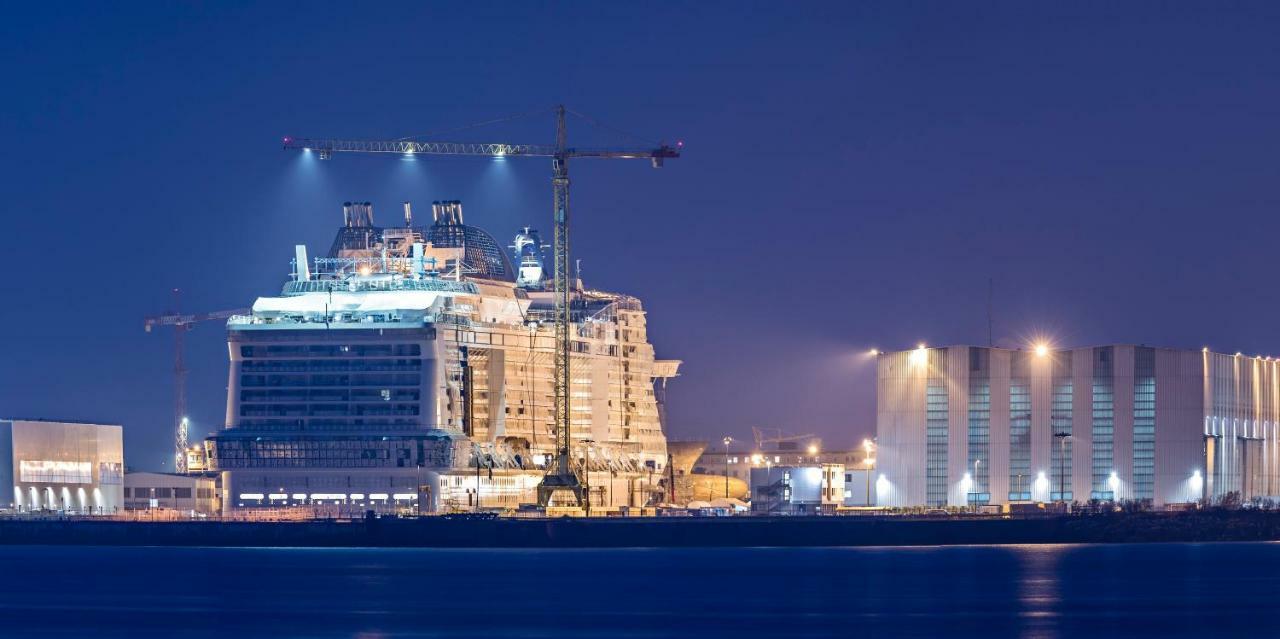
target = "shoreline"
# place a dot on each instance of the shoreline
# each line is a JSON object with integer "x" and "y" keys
{"x": 814, "y": 531}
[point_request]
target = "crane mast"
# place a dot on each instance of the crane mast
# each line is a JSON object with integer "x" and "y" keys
{"x": 564, "y": 478}
{"x": 181, "y": 324}
{"x": 560, "y": 474}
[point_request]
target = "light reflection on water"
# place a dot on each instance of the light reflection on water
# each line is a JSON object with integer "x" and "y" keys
{"x": 1166, "y": 590}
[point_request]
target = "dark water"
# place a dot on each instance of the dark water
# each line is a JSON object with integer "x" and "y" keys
{"x": 1175, "y": 590}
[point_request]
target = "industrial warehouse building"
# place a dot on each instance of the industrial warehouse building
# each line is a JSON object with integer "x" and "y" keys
{"x": 189, "y": 495}
{"x": 62, "y": 467}
{"x": 965, "y": 426}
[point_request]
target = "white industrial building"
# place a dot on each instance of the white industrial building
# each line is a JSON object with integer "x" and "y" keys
{"x": 190, "y": 495}
{"x": 963, "y": 425}
{"x": 797, "y": 489}
{"x": 71, "y": 468}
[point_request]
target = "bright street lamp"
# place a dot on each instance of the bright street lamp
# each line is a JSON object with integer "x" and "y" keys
{"x": 727, "y": 440}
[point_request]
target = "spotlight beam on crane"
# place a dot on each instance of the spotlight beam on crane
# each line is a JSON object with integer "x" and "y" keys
{"x": 182, "y": 323}
{"x": 560, "y": 476}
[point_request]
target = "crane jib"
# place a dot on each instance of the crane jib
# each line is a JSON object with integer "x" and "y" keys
{"x": 409, "y": 147}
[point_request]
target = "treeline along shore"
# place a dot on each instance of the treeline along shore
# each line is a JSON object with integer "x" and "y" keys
{"x": 455, "y": 532}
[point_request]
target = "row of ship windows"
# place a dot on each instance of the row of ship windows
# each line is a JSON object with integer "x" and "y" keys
{"x": 243, "y": 462}
{"x": 259, "y": 381}
{"x": 326, "y": 423}
{"x": 330, "y": 365}
{"x": 331, "y": 350}
{"x": 326, "y": 410}
{"x": 331, "y": 395}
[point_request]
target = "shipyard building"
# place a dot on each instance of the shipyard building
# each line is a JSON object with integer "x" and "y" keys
{"x": 966, "y": 426}
{"x": 66, "y": 467}
{"x": 412, "y": 369}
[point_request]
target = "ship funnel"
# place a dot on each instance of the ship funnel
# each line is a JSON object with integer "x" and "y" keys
{"x": 302, "y": 269}
{"x": 446, "y": 212}
{"x": 357, "y": 214}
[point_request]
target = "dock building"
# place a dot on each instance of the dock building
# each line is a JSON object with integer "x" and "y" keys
{"x": 66, "y": 467}
{"x": 966, "y": 426}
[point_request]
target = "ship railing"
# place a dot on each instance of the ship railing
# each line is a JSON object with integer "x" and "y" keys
{"x": 390, "y": 284}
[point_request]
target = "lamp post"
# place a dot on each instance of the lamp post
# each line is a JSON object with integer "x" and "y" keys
{"x": 866, "y": 461}
{"x": 727, "y": 440}
{"x": 867, "y": 448}
{"x": 586, "y": 473}
{"x": 1062, "y": 465}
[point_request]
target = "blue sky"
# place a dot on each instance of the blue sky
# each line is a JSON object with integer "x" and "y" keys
{"x": 854, "y": 174}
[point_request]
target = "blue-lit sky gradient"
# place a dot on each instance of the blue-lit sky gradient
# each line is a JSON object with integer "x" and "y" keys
{"x": 854, "y": 175}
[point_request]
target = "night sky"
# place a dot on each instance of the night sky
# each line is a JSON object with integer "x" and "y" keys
{"x": 853, "y": 176}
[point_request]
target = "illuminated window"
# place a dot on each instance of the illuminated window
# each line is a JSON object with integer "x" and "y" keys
{"x": 1020, "y": 428}
{"x": 55, "y": 472}
{"x": 1144, "y": 423}
{"x": 979, "y": 422}
{"x": 110, "y": 473}
{"x": 1103, "y": 432}
{"x": 936, "y": 437}
{"x": 1061, "y": 423}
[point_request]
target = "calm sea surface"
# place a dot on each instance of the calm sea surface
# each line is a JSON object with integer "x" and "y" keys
{"x": 1166, "y": 590}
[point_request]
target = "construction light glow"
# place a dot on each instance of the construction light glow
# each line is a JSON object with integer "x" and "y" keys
{"x": 1041, "y": 350}
{"x": 919, "y": 356}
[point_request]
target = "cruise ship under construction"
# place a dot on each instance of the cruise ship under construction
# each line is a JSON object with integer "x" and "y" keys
{"x": 411, "y": 369}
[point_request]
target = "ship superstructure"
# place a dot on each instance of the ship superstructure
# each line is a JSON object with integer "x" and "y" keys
{"x": 412, "y": 368}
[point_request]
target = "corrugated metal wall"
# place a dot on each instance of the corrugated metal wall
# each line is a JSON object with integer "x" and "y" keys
{"x": 1240, "y": 395}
